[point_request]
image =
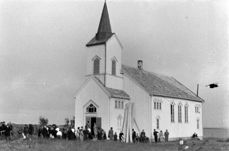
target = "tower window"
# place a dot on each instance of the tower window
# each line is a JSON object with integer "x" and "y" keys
{"x": 113, "y": 72}
{"x": 96, "y": 65}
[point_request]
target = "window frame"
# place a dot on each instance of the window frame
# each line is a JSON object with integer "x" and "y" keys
{"x": 91, "y": 109}
{"x": 186, "y": 113}
{"x": 172, "y": 113}
{"x": 113, "y": 67}
{"x": 198, "y": 124}
{"x": 179, "y": 113}
{"x": 96, "y": 65}
{"x": 158, "y": 123}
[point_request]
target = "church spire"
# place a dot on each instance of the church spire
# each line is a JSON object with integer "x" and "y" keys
{"x": 104, "y": 29}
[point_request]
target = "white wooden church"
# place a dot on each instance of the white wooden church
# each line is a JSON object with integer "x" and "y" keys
{"x": 161, "y": 102}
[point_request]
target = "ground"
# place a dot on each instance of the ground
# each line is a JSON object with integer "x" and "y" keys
{"x": 66, "y": 145}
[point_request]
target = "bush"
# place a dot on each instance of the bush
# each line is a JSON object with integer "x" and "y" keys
{"x": 43, "y": 121}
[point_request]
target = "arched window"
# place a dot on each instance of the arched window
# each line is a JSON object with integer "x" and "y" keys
{"x": 179, "y": 113}
{"x": 91, "y": 109}
{"x": 158, "y": 123}
{"x": 113, "y": 68}
{"x": 198, "y": 123}
{"x": 96, "y": 65}
{"x": 186, "y": 113}
{"x": 119, "y": 121}
{"x": 172, "y": 112}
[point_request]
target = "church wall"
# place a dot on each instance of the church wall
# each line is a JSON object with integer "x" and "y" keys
{"x": 91, "y": 91}
{"x": 116, "y": 115}
{"x": 176, "y": 129}
{"x": 97, "y": 50}
{"x": 142, "y": 104}
{"x": 114, "y": 50}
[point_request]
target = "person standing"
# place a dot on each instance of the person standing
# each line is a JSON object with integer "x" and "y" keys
{"x": 111, "y": 134}
{"x": 95, "y": 131}
{"x": 155, "y": 135}
{"x": 166, "y": 135}
{"x": 115, "y": 136}
{"x": 161, "y": 136}
{"x": 133, "y": 136}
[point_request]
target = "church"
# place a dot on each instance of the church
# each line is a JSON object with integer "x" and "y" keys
{"x": 161, "y": 102}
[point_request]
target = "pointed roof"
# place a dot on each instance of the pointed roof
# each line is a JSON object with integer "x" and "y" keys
{"x": 104, "y": 30}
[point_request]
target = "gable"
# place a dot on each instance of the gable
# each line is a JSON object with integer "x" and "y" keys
{"x": 96, "y": 84}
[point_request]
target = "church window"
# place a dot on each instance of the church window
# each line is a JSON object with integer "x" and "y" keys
{"x": 186, "y": 113}
{"x": 91, "y": 109}
{"x": 158, "y": 123}
{"x": 157, "y": 105}
{"x": 113, "y": 70}
{"x": 96, "y": 65}
{"x": 119, "y": 122}
{"x": 119, "y": 104}
{"x": 116, "y": 104}
{"x": 197, "y": 123}
{"x": 172, "y": 113}
{"x": 197, "y": 109}
{"x": 179, "y": 113}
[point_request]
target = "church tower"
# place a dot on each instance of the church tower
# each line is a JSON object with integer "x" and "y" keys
{"x": 104, "y": 54}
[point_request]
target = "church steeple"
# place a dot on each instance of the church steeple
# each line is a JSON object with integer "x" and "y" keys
{"x": 104, "y": 31}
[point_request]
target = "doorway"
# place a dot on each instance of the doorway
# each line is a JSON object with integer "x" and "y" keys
{"x": 92, "y": 121}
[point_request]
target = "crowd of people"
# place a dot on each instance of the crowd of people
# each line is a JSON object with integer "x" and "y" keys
{"x": 6, "y": 130}
{"x": 81, "y": 133}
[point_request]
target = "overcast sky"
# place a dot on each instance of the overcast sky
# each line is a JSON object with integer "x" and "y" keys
{"x": 42, "y": 51}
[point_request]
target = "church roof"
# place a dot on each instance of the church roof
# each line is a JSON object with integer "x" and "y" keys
{"x": 116, "y": 93}
{"x": 160, "y": 85}
{"x": 104, "y": 30}
{"x": 113, "y": 93}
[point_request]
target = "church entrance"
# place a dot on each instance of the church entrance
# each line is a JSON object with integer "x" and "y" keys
{"x": 91, "y": 121}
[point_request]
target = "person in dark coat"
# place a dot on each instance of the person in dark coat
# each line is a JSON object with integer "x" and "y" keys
{"x": 111, "y": 134}
{"x": 30, "y": 129}
{"x": 115, "y": 136}
{"x": 8, "y": 131}
{"x": 26, "y": 131}
{"x": 142, "y": 136}
{"x": 166, "y": 136}
{"x": 121, "y": 136}
{"x": 155, "y": 135}
{"x": 133, "y": 136}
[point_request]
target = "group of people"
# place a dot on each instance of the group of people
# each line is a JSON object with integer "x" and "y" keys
{"x": 6, "y": 130}
{"x": 160, "y": 136}
{"x": 87, "y": 133}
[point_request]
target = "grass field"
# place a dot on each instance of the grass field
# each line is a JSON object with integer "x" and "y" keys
{"x": 65, "y": 145}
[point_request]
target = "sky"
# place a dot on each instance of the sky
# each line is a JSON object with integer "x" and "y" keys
{"x": 42, "y": 51}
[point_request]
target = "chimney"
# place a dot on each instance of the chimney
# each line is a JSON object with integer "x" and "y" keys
{"x": 140, "y": 64}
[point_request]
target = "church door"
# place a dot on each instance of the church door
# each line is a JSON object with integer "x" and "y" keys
{"x": 93, "y": 120}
